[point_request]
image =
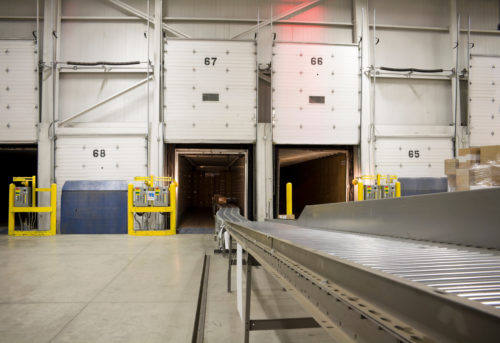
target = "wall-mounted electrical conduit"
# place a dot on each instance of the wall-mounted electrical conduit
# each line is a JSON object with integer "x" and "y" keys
{"x": 102, "y": 63}
{"x": 412, "y": 70}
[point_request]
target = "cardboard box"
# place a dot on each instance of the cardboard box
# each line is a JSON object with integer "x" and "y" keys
{"x": 467, "y": 164}
{"x": 463, "y": 179}
{"x": 467, "y": 157}
{"x": 490, "y": 153}
{"x": 450, "y": 166}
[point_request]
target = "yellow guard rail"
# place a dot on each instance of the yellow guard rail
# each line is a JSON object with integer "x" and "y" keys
{"x": 149, "y": 182}
{"x": 52, "y": 209}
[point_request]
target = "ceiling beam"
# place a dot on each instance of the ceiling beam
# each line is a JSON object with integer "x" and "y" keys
{"x": 301, "y": 7}
{"x": 145, "y": 16}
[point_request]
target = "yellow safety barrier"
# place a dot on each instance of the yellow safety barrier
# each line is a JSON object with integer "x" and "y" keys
{"x": 131, "y": 209}
{"x": 289, "y": 210}
{"x": 369, "y": 182}
{"x": 361, "y": 191}
{"x": 52, "y": 209}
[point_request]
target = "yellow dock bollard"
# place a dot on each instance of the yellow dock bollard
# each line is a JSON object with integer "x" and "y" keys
{"x": 12, "y": 214}
{"x": 361, "y": 191}
{"x": 398, "y": 189}
{"x": 172, "y": 190}
{"x": 289, "y": 210}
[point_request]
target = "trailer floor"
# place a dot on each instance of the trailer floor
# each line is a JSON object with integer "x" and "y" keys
{"x": 118, "y": 288}
{"x": 197, "y": 220}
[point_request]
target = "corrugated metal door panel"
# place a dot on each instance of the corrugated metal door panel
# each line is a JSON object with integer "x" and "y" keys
{"x": 123, "y": 159}
{"x": 484, "y": 100}
{"x": 225, "y": 69}
{"x": 412, "y": 157}
{"x": 100, "y": 158}
{"x": 315, "y": 94}
{"x": 18, "y": 91}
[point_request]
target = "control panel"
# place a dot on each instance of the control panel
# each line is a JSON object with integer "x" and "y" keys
{"x": 151, "y": 196}
{"x": 372, "y": 187}
{"x": 140, "y": 197}
{"x": 161, "y": 197}
{"x": 22, "y": 197}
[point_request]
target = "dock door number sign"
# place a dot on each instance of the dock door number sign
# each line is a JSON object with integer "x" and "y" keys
{"x": 99, "y": 153}
{"x": 413, "y": 153}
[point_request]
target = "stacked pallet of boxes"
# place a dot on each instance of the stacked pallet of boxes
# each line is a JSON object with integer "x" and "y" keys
{"x": 475, "y": 168}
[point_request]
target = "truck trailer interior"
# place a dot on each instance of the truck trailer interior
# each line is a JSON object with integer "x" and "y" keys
{"x": 204, "y": 174}
{"x": 318, "y": 176}
{"x": 21, "y": 161}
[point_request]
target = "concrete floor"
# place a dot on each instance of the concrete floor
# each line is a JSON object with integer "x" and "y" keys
{"x": 118, "y": 288}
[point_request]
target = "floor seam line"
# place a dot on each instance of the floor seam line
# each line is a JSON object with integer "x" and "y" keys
{"x": 98, "y": 293}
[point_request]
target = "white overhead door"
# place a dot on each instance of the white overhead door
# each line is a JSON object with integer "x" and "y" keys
{"x": 484, "y": 100}
{"x": 18, "y": 91}
{"x": 412, "y": 157}
{"x": 315, "y": 94}
{"x": 100, "y": 158}
{"x": 210, "y": 91}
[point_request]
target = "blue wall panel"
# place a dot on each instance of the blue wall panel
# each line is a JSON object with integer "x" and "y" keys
{"x": 423, "y": 185}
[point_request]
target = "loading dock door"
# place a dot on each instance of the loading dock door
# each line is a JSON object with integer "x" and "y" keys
{"x": 18, "y": 91}
{"x": 315, "y": 94}
{"x": 203, "y": 173}
{"x": 210, "y": 91}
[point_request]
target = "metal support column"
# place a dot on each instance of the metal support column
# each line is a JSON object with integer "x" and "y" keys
{"x": 155, "y": 138}
{"x": 264, "y": 171}
{"x": 49, "y": 76}
{"x": 455, "y": 81}
{"x": 361, "y": 34}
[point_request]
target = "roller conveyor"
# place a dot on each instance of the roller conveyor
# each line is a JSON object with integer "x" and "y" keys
{"x": 432, "y": 265}
{"x": 411, "y": 290}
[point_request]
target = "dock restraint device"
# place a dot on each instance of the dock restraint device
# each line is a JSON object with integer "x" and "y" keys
{"x": 149, "y": 203}
{"x": 23, "y": 201}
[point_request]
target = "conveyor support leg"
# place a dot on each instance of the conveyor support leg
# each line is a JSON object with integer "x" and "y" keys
{"x": 248, "y": 293}
{"x": 229, "y": 263}
{"x": 269, "y": 324}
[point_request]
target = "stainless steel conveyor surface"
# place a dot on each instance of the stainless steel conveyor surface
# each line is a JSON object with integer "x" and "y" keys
{"x": 473, "y": 274}
{"x": 378, "y": 271}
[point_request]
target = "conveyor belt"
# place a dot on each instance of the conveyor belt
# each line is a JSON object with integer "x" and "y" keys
{"x": 468, "y": 277}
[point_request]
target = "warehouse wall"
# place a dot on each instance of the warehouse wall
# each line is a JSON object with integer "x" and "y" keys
{"x": 18, "y": 19}
{"x": 92, "y": 40}
{"x": 418, "y": 111}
